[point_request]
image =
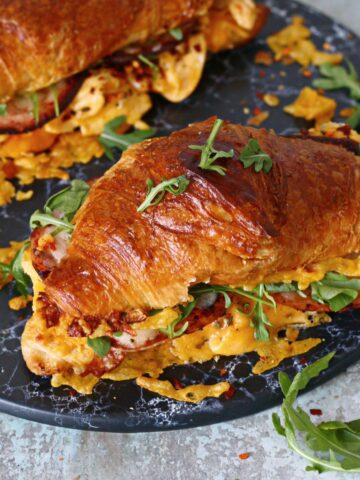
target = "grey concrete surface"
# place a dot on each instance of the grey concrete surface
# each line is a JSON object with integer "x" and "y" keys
{"x": 30, "y": 451}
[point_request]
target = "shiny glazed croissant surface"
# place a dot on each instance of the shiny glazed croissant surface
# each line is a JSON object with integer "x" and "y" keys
{"x": 234, "y": 229}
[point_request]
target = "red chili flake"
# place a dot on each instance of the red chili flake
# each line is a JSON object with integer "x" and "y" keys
{"x": 259, "y": 95}
{"x": 177, "y": 384}
{"x": 244, "y": 456}
{"x": 303, "y": 360}
{"x": 229, "y": 393}
{"x": 262, "y": 73}
{"x": 72, "y": 392}
{"x": 10, "y": 169}
{"x": 316, "y": 411}
{"x": 257, "y": 111}
{"x": 287, "y": 50}
{"x": 307, "y": 73}
{"x": 223, "y": 372}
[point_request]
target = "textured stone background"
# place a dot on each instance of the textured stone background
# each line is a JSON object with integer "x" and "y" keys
{"x": 33, "y": 451}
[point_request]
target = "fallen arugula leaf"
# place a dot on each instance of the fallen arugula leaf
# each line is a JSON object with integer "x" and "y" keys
{"x": 110, "y": 139}
{"x": 61, "y": 208}
{"x": 253, "y": 155}
{"x": 176, "y": 33}
{"x": 184, "y": 313}
{"x": 176, "y": 186}
{"x": 209, "y": 154}
{"x": 100, "y": 345}
{"x": 338, "y": 77}
{"x": 335, "y": 445}
{"x": 3, "y": 109}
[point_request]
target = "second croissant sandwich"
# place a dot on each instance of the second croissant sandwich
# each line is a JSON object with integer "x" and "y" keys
{"x": 46, "y": 45}
{"x": 209, "y": 242}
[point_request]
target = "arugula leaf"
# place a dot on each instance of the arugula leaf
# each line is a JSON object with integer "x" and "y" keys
{"x": 155, "y": 69}
{"x": 339, "y": 77}
{"x": 253, "y": 155}
{"x": 259, "y": 295}
{"x": 176, "y": 33}
{"x": 111, "y": 139}
{"x": 338, "y": 442}
{"x": 55, "y": 96}
{"x": 100, "y": 345}
{"x": 209, "y": 154}
{"x": 5, "y": 271}
{"x": 40, "y": 219}
{"x": 301, "y": 379}
{"x": 185, "y": 312}
{"x": 284, "y": 287}
{"x": 34, "y": 97}
{"x": 259, "y": 319}
{"x": 61, "y": 208}
{"x": 354, "y": 120}
{"x": 69, "y": 200}
{"x": 22, "y": 280}
{"x": 176, "y": 186}
{"x": 335, "y": 290}
{"x": 3, "y": 109}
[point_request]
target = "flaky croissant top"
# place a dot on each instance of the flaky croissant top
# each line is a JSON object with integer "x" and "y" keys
{"x": 234, "y": 229}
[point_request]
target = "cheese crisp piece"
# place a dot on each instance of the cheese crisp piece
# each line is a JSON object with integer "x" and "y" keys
{"x": 294, "y": 42}
{"x": 312, "y": 106}
{"x": 182, "y": 70}
{"x": 191, "y": 394}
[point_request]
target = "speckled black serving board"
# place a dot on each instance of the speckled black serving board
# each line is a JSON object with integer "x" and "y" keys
{"x": 230, "y": 78}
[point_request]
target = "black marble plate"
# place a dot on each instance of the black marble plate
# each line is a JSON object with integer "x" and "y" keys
{"x": 230, "y": 79}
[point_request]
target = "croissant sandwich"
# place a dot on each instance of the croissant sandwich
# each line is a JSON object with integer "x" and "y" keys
{"x": 216, "y": 240}
{"x": 158, "y": 46}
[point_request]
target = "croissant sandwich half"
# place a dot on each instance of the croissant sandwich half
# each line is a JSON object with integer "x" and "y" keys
{"x": 155, "y": 45}
{"x": 216, "y": 240}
